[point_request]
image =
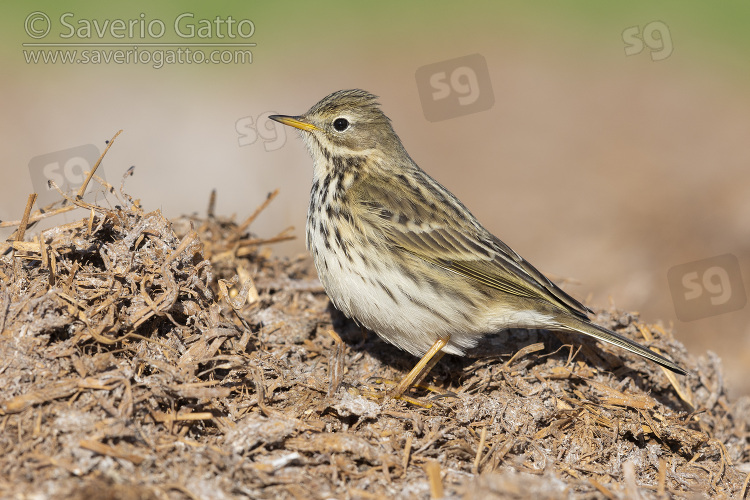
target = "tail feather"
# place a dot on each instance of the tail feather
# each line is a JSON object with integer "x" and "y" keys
{"x": 605, "y": 335}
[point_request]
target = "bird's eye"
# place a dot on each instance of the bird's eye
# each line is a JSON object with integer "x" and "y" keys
{"x": 341, "y": 124}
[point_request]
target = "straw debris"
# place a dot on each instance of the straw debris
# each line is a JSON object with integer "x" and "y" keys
{"x": 148, "y": 358}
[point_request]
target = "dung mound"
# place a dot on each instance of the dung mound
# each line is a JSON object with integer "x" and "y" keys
{"x": 146, "y": 358}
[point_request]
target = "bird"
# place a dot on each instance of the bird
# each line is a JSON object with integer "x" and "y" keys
{"x": 403, "y": 257}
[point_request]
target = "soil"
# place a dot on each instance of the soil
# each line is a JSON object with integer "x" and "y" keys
{"x": 147, "y": 358}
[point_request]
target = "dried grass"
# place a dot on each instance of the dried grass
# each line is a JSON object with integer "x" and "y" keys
{"x": 143, "y": 358}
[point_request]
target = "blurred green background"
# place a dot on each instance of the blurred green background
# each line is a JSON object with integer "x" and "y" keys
{"x": 605, "y": 168}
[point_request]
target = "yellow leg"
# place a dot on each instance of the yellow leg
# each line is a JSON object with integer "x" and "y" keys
{"x": 422, "y": 368}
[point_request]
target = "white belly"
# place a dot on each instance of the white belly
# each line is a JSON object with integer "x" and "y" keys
{"x": 409, "y": 314}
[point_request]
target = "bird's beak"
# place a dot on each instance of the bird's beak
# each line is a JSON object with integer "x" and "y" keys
{"x": 294, "y": 121}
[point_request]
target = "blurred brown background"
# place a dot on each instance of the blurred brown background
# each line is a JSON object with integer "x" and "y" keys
{"x": 606, "y": 168}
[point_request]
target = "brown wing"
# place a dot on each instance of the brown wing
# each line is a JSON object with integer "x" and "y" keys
{"x": 446, "y": 234}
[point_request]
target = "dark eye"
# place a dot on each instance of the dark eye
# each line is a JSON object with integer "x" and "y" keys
{"x": 341, "y": 124}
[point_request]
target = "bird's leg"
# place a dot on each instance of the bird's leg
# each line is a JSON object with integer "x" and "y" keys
{"x": 427, "y": 369}
{"x": 422, "y": 368}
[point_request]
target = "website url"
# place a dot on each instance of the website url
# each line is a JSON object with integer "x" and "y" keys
{"x": 157, "y": 58}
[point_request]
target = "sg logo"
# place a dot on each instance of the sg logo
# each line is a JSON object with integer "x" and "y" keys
{"x": 272, "y": 133}
{"x": 67, "y": 168}
{"x": 707, "y": 287}
{"x": 455, "y": 87}
{"x": 463, "y": 80}
{"x": 655, "y": 36}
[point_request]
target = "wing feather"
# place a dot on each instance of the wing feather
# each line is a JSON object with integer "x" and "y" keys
{"x": 453, "y": 239}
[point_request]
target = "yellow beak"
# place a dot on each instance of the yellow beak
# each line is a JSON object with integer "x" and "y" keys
{"x": 293, "y": 121}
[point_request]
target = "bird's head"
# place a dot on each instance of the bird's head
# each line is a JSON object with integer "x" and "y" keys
{"x": 345, "y": 123}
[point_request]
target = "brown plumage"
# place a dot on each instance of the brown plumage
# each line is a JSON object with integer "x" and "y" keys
{"x": 401, "y": 255}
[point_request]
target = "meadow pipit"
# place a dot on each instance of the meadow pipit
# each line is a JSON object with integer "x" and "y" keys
{"x": 402, "y": 256}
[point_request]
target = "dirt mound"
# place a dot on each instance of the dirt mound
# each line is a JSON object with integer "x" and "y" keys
{"x": 146, "y": 358}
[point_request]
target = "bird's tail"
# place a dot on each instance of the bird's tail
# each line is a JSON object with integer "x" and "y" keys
{"x": 601, "y": 333}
